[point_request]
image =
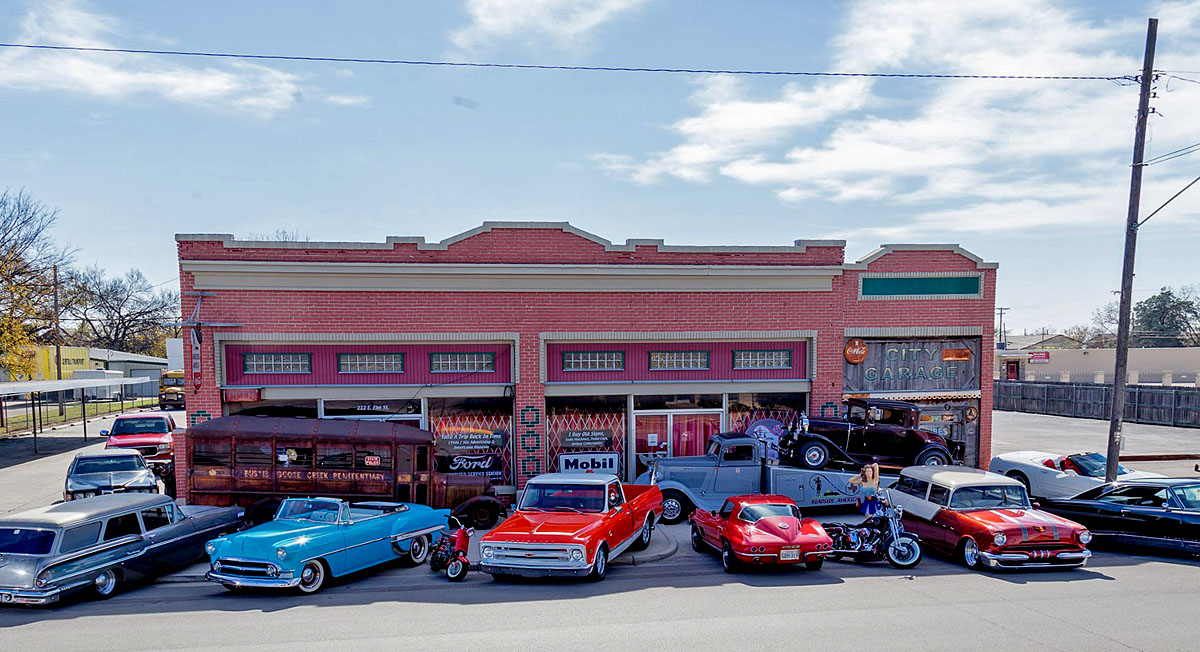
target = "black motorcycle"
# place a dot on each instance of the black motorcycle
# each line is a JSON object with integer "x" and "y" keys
{"x": 881, "y": 536}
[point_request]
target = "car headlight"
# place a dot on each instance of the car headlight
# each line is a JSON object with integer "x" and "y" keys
{"x": 210, "y": 547}
{"x": 576, "y": 554}
{"x": 281, "y": 553}
{"x": 1085, "y": 537}
{"x": 999, "y": 538}
{"x": 486, "y": 551}
{"x": 162, "y": 448}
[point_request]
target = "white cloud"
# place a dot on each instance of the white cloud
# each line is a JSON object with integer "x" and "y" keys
{"x": 348, "y": 100}
{"x": 1009, "y": 155}
{"x": 255, "y": 89}
{"x": 561, "y": 23}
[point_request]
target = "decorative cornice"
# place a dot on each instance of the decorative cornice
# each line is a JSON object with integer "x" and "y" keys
{"x": 886, "y": 249}
{"x": 442, "y": 277}
{"x": 229, "y": 242}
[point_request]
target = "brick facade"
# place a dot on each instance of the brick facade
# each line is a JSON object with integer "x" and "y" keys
{"x": 357, "y": 306}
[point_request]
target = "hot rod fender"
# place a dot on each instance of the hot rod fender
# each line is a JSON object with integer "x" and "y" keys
{"x": 467, "y": 507}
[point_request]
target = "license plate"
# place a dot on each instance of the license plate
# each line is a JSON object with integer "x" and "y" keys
{"x": 791, "y": 554}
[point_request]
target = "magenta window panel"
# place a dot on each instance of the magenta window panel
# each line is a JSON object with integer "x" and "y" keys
{"x": 416, "y": 364}
{"x": 562, "y": 357}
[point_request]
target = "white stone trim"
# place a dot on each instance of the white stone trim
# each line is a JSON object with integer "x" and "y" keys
{"x": 918, "y": 297}
{"x": 229, "y": 242}
{"x": 445, "y": 277}
{"x": 886, "y": 249}
{"x": 916, "y": 331}
{"x": 220, "y": 339}
{"x": 675, "y": 336}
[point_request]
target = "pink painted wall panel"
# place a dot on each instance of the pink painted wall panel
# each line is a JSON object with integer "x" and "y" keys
{"x": 637, "y": 362}
{"x": 325, "y": 365}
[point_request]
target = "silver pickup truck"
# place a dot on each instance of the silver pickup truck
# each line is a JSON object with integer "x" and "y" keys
{"x": 734, "y": 465}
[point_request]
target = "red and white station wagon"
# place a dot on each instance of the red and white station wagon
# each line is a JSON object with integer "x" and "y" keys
{"x": 985, "y": 519}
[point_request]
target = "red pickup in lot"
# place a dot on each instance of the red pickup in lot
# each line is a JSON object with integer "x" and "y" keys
{"x": 150, "y": 433}
{"x": 571, "y": 524}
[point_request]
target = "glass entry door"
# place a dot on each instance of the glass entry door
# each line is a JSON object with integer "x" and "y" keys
{"x": 672, "y": 434}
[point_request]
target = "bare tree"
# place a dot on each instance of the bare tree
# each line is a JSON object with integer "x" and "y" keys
{"x": 125, "y": 313}
{"x": 27, "y": 258}
{"x": 279, "y": 235}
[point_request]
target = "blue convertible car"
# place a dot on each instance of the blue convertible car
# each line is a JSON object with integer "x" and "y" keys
{"x": 312, "y": 539}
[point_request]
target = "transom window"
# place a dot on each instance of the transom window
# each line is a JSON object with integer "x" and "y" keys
{"x": 277, "y": 363}
{"x": 593, "y": 361}
{"x": 678, "y": 360}
{"x": 370, "y": 363}
{"x": 442, "y": 363}
{"x": 769, "y": 359}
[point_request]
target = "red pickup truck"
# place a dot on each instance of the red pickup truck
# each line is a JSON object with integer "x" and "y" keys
{"x": 571, "y": 524}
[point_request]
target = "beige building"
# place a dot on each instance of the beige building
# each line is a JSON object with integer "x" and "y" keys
{"x": 1167, "y": 366}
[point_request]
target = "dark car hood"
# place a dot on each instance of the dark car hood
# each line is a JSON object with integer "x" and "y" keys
{"x": 115, "y": 479}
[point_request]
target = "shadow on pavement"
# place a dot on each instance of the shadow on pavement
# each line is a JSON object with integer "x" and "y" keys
{"x": 19, "y": 450}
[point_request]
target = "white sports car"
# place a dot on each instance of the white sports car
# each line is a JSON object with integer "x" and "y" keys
{"x": 1047, "y": 475}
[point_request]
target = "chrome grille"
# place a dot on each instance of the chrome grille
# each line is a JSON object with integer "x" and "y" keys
{"x": 533, "y": 555}
{"x": 243, "y": 568}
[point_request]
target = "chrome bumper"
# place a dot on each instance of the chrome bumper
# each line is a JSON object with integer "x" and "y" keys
{"x": 1068, "y": 559}
{"x": 252, "y": 582}
{"x": 29, "y": 596}
{"x": 535, "y": 571}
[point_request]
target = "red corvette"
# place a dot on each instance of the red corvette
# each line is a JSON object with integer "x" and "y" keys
{"x": 760, "y": 530}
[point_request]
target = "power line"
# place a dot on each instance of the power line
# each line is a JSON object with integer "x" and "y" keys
{"x": 1182, "y": 151}
{"x": 531, "y": 66}
{"x": 1164, "y": 204}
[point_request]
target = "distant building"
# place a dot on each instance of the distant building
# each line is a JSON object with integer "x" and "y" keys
{"x": 81, "y": 358}
{"x": 1041, "y": 341}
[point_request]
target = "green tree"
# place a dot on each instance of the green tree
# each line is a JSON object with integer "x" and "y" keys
{"x": 1166, "y": 319}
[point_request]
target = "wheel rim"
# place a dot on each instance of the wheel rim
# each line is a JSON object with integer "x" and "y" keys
{"x": 482, "y": 515}
{"x": 601, "y": 562}
{"x": 903, "y": 551}
{"x": 418, "y": 551}
{"x": 106, "y": 582}
{"x": 814, "y": 455}
{"x": 696, "y": 538}
{"x": 971, "y": 553}
{"x": 454, "y": 568}
{"x": 934, "y": 460}
{"x": 312, "y": 576}
{"x": 672, "y": 508}
{"x": 725, "y": 557}
{"x": 646, "y": 532}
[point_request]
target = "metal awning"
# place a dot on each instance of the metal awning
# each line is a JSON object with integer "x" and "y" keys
{"x": 28, "y": 386}
{"x": 943, "y": 395}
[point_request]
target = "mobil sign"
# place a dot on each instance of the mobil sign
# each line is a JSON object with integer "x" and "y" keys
{"x": 597, "y": 462}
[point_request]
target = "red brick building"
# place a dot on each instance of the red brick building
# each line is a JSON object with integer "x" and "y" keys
{"x": 564, "y": 342}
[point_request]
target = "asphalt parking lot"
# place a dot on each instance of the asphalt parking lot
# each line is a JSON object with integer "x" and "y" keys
{"x": 1120, "y": 601}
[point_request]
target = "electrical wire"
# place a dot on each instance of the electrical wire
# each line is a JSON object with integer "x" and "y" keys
{"x": 1182, "y": 151}
{"x": 529, "y": 66}
{"x": 1164, "y": 204}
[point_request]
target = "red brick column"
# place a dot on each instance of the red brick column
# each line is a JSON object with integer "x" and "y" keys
{"x": 529, "y": 408}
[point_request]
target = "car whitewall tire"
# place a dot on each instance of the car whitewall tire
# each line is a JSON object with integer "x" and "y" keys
{"x": 970, "y": 553}
{"x": 418, "y": 550}
{"x": 105, "y": 584}
{"x": 312, "y": 577}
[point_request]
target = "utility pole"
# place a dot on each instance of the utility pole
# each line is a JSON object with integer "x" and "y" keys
{"x": 57, "y": 345}
{"x": 1131, "y": 227}
{"x": 1002, "y": 339}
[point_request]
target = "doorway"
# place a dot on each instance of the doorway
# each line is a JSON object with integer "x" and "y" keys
{"x": 671, "y": 433}
{"x": 1012, "y": 370}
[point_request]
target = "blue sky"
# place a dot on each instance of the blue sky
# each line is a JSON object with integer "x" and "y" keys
{"x": 1034, "y": 175}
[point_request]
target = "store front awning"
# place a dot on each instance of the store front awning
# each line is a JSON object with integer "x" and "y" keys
{"x": 956, "y": 395}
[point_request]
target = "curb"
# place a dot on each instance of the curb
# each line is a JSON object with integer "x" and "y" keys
{"x": 637, "y": 559}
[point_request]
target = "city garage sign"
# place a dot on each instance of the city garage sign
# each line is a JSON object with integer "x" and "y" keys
{"x": 913, "y": 365}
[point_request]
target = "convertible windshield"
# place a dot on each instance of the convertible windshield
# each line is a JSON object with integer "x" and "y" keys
{"x": 142, "y": 426}
{"x": 563, "y": 497}
{"x": 322, "y": 511}
{"x": 26, "y": 541}
{"x": 755, "y": 512}
{"x": 110, "y": 464}
{"x": 1000, "y": 497}
{"x": 1189, "y": 496}
{"x": 1092, "y": 465}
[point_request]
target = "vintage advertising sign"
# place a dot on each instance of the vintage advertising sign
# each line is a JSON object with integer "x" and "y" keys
{"x": 914, "y": 365}
{"x": 590, "y": 438}
{"x": 241, "y": 395}
{"x": 597, "y": 462}
{"x": 469, "y": 440}
{"x": 1039, "y": 357}
{"x": 855, "y": 351}
{"x": 482, "y": 464}
{"x": 196, "y": 357}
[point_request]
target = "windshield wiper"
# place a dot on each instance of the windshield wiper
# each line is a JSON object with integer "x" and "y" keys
{"x": 577, "y": 511}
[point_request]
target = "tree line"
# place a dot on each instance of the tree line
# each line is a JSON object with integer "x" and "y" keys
{"x": 124, "y": 313}
{"x": 1168, "y": 319}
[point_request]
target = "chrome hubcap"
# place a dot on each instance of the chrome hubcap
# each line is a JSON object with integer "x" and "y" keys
{"x": 970, "y": 552}
{"x": 105, "y": 583}
{"x": 308, "y": 574}
{"x": 814, "y": 456}
{"x": 646, "y": 532}
{"x": 600, "y": 563}
{"x": 417, "y": 550}
{"x": 672, "y": 508}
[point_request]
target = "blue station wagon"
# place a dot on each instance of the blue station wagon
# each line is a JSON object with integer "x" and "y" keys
{"x": 311, "y": 539}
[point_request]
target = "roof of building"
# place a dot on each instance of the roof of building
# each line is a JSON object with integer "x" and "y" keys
{"x": 123, "y": 356}
{"x": 60, "y": 514}
{"x": 958, "y": 476}
{"x": 27, "y": 386}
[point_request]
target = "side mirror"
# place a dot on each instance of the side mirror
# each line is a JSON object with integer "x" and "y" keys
{"x": 713, "y": 512}
{"x": 1036, "y": 504}
{"x": 103, "y": 433}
